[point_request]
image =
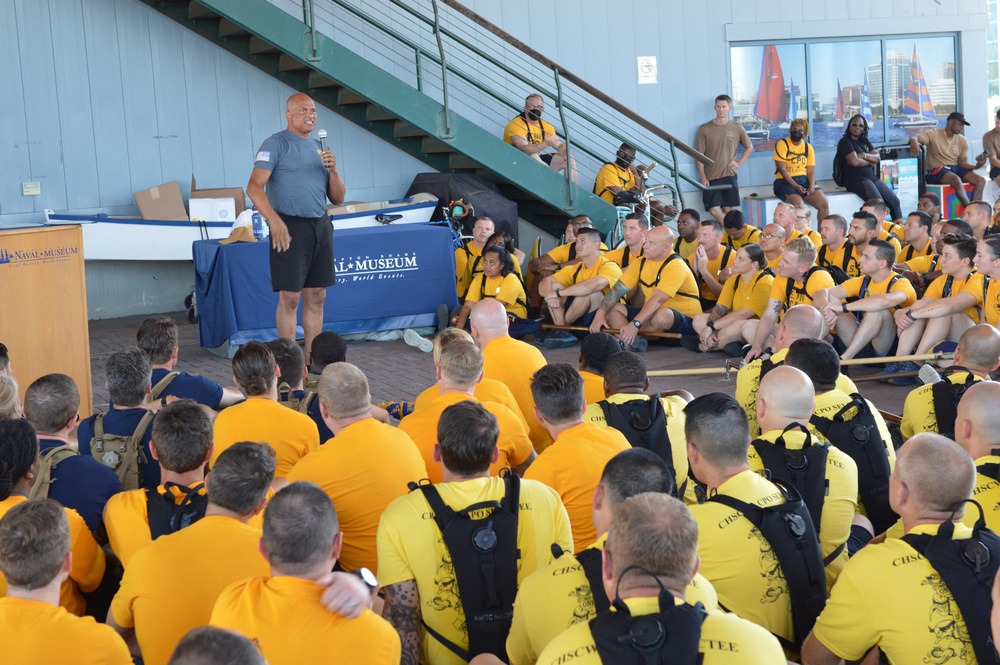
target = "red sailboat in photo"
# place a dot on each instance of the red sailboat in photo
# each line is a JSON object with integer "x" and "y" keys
{"x": 771, "y": 105}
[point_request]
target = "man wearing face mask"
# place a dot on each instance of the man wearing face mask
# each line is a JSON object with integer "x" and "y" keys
{"x": 531, "y": 135}
{"x": 621, "y": 176}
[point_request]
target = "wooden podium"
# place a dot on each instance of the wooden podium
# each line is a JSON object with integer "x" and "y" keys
{"x": 43, "y": 319}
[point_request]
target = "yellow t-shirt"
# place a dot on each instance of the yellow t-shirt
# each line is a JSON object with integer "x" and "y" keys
{"x": 890, "y": 596}
{"x": 672, "y": 276}
{"x": 487, "y": 390}
{"x": 602, "y": 267}
{"x": 88, "y": 561}
{"x": 410, "y": 547}
{"x": 351, "y": 468}
{"x": 559, "y": 596}
{"x": 841, "y": 500}
{"x": 674, "y": 408}
{"x": 748, "y": 383}
{"x": 722, "y": 261}
{"x": 465, "y": 257}
{"x": 293, "y": 435}
{"x": 738, "y": 293}
{"x": 919, "y": 414}
{"x": 285, "y": 618}
{"x": 910, "y": 252}
{"x": 612, "y": 175}
{"x": 623, "y": 256}
{"x": 987, "y": 494}
{"x": 814, "y": 237}
{"x": 421, "y": 426}
{"x": 947, "y": 285}
{"x": 474, "y": 269}
{"x": 593, "y": 387}
{"x": 989, "y": 309}
{"x": 889, "y": 227}
{"x": 738, "y": 561}
{"x": 725, "y": 639}
{"x": 685, "y": 248}
{"x": 750, "y": 234}
{"x": 507, "y": 289}
{"x": 797, "y": 159}
{"x": 853, "y": 288}
{"x": 561, "y": 254}
{"x": 513, "y": 363}
{"x": 924, "y": 264}
{"x": 37, "y": 632}
{"x": 773, "y": 263}
{"x": 518, "y": 126}
{"x": 195, "y": 564}
{"x": 800, "y": 294}
{"x": 572, "y": 466}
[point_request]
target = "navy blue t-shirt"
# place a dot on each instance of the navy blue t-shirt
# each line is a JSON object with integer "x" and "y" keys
{"x": 123, "y": 423}
{"x": 324, "y": 432}
{"x": 189, "y": 386}
{"x": 82, "y": 483}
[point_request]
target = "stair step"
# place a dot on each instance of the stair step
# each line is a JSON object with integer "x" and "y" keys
{"x": 459, "y": 161}
{"x": 259, "y": 46}
{"x": 375, "y": 113}
{"x": 229, "y": 29}
{"x": 432, "y": 145}
{"x": 317, "y": 80}
{"x": 347, "y": 97}
{"x": 403, "y": 128}
{"x": 287, "y": 63}
{"x": 198, "y": 10}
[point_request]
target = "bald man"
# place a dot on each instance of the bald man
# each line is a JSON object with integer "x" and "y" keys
{"x": 977, "y": 354}
{"x": 292, "y": 178}
{"x": 890, "y": 596}
{"x": 977, "y": 429}
{"x": 800, "y": 322}
{"x": 785, "y": 403}
{"x": 509, "y": 361}
{"x": 772, "y": 241}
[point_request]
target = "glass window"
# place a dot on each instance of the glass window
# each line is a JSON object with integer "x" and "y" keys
{"x": 921, "y": 84}
{"x": 843, "y": 76}
{"x": 769, "y": 90}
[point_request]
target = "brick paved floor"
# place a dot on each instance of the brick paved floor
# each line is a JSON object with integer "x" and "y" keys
{"x": 397, "y": 371}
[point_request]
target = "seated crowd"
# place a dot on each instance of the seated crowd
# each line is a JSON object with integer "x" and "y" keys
{"x": 532, "y": 512}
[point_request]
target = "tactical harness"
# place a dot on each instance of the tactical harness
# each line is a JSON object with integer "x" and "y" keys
{"x": 47, "y": 461}
{"x": 286, "y": 397}
{"x": 838, "y": 273}
{"x": 946, "y": 397}
{"x": 485, "y": 554}
{"x": 644, "y": 424}
{"x": 123, "y": 454}
{"x": 167, "y": 516}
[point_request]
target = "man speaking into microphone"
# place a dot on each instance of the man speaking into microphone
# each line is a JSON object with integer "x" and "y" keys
{"x": 292, "y": 178}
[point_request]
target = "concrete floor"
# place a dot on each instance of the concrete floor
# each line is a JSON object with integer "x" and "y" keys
{"x": 397, "y": 371}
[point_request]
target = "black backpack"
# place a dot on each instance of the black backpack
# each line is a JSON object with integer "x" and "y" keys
{"x": 167, "y": 516}
{"x": 789, "y": 531}
{"x": 967, "y": 568}
{"x": 859, "y": 437}
{"x": 590, "y": 560}
{"x": 644, "y": 424}
{"x": 790, "y": 285}
{"x": 838, "y": 273}
{"x": 804, "y": 469}
{"x": 672, "y": 635}
{"x": 485, "y": 555}
{"x": 946, "y": 396}
{"x": 838, "y": 171}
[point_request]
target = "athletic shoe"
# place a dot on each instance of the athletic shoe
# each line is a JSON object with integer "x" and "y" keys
{"x": 691, "y": 343}
{"x": 905, "y": 380}
{"x": 539, "y": 337}
{"x": 735, "y": 350}
{"x": 411, "y": 337}
{"x": 639, "y": 345}
{"x": 890, "y": 368}
{"x": 398, "y": 410}
{"x": 444, "y": 320}
{"x": 928, "y": 374}
{"x": 560, "y": 339}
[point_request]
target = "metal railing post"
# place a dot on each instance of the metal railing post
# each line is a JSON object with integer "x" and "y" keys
{"x": 565, "y": 127}
{"x": 312, "y": 31}
{"x": 444, "y": 71}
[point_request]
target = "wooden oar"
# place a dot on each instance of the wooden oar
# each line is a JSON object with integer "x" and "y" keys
{"x": 853, "y": 361}
{"x": 611, "y": 331}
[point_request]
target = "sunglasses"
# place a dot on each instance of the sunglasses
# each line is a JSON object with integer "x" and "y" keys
{"x": 857, "y": 124}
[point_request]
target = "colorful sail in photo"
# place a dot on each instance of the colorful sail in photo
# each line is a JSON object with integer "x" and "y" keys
{"x": 918, "y": 98}
{"x": 838, "y": 121}
{"x": 771, "y": 104}
{"x": 792, "y": 111}
{"x": 866, "y": 104}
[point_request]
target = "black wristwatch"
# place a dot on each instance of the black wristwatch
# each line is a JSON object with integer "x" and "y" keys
{"x": 637, "y": 323}
{"x": 711, "y": 325}
{"x": 558, "y": 292}
{"x": 843, "y": 307}
{"x": 366, "y": 576}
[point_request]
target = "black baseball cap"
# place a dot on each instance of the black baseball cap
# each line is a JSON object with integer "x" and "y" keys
{"x": 958, "y": 116}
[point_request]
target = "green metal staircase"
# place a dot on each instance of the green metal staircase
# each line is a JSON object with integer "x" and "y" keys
{"x": 299, "y": 54}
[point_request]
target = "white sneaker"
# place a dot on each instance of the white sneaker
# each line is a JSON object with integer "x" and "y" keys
{"x": 411, "y": 337}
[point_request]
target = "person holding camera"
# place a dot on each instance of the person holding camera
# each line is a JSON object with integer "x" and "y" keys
{"x": 621, "y": 183}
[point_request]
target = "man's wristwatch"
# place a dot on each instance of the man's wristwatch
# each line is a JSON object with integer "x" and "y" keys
{"x": 843, "y": 307}
{"x": 558, "y": 292}
{"x": 711, "y": 325}
{"x": 909, "y": 315}
{"x": 637, "y": 323}
{"x": 366, "y": 576}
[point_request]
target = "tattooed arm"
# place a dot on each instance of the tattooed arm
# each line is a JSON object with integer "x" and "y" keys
{"x": 402, "y": 610}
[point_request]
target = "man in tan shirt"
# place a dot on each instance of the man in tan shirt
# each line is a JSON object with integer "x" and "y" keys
{"x": 719, "y": 139}
{"x": 947, "y": 153}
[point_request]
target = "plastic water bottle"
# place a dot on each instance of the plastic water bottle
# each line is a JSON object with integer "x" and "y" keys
{"x": 257, "y": 225}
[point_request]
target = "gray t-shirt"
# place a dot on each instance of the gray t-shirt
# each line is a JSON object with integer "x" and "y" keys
{"x": 298, "y": 178}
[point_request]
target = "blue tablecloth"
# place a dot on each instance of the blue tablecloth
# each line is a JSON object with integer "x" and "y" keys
{"x": 387, "y": 278}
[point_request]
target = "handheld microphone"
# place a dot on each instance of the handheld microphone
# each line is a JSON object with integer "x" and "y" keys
{"x": 321, "y": 134}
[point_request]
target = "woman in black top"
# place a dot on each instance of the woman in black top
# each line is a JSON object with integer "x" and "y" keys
{"x": 859, "y": 164}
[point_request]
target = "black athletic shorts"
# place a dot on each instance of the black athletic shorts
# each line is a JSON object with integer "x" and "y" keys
{"x": 308, "y": 261}
{"x": 726, "y": 198}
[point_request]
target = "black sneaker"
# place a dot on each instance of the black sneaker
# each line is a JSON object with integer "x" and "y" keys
{"x": 734, "y": 350}
{"x": 691, "y": 343}
{"x": 443, "y": 318}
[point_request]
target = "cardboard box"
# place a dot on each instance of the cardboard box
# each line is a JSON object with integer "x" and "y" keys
{"x": 162, "y": 202}
{"x": 212, "y": 210}
{"x": 234, "y": 193}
